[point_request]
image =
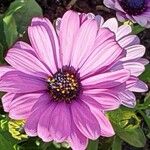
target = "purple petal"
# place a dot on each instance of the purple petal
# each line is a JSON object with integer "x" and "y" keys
{"x": 105, "y": 125}
{"x": 103, "y": 101}
{"x": 44, "y": 123}
{"x": 85, "y": 120}
{"x": 68, "y": 31}
{"x": 76, "y": 139}
{"x": 24, "y": 46}
{"x": 106, "y": 80}
{"x": 20, "y": 107}
{"x": 6, "y": 101}
{"x": 18, "y": 82}
{"x": 44, "y": 40}
{"x": 26, "y": 62}
{"x": 38, "y": 109}
{"x": 84, "y": 42}
{"x": 60, "y": 122}
{"x": 105, "y": 52}
{"x": 5, "y": 69}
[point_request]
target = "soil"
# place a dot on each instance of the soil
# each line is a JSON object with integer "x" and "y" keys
{"x": 53, "y": 9}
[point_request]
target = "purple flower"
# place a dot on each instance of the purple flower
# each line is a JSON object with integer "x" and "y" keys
{"x": 63, "y": 83}
{"x": 135, "y": 10}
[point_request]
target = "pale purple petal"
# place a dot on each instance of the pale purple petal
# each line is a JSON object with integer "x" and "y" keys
{"x": 123, "y": 31}
{"x": 129, "y": 41}
{"x": 140, "y": 86}
{"x": 128, "y": 99}
{"x": 133, "y": 52}
{"x": 112, "y": 24}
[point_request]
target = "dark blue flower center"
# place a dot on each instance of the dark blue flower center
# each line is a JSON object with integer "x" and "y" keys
{"x": 133, "y": 7}
{"x": 64, "y": 85}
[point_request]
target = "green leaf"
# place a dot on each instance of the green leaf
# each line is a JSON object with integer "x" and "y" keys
{"x": 24, "y": 14}
{"x": 117, "y": 143}
{"x": 5, "y": 143}
{"x": 93, "y": 145}
{"x": 123, "y": 119}
{"x": 10, "y": 29}
{"x": 137, "y": 29}
{"x": 1, "y": 53}
{"x": 18, "y": 17}
{"x": 135, "y": 137}
{"x": 146, "y": 74}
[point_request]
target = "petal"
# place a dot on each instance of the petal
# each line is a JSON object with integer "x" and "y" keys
{"x": 111, "y": 24}
{"x": 103, "y": 101}
{"x": 68, "y": 31}
{"x": 18, "y": 82}
{"x": 135, "y": 68}
{"x": 24, "y": 46}
{"x": 143, "y": 61}
{"x": 76, "y": 139}
{"x": 105, "y": 125}
{"x": 20, "y": 107}
{"x": 105, "y": 52}
{"x": 109, "y": 3}
{"x": 5, "y": 69}
{"x": 6, "y": 101}
{"x": 133, "y": 52}
{"x": 44, "y": 40}
{"x": 128, "y": 99}
{"x": 60, "y": 122}
{"x": 140, "y": 86}
{"x": 85, "y": 120}
{"x": 26, "y": 62}
{"x": 106, "y": 80}
{"x": 129, "y": 41}
{"x": 84, "y": 42}
{"x": 38, "y": 109}
{"x": 44, "y": 123}
{"x": 123, "y": 31}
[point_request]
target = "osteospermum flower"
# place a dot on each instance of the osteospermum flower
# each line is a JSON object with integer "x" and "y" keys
{"x": 64, "y": 82}
{"x": 135, "y": 10}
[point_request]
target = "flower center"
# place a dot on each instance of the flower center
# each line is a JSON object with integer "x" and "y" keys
{"x": 133, "y": 7}
{"x": 64, "y": 85}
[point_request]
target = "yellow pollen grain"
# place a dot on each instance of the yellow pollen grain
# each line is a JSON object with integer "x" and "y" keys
{"x": 63, "y": 91}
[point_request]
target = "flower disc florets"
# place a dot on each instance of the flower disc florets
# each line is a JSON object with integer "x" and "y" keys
{"x": 64, "y": 85}
{"x": 133, "y": 7}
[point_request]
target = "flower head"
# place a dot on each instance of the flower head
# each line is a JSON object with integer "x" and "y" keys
{"x": 67, "y": 79}
{"x": 135, "y": 10}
